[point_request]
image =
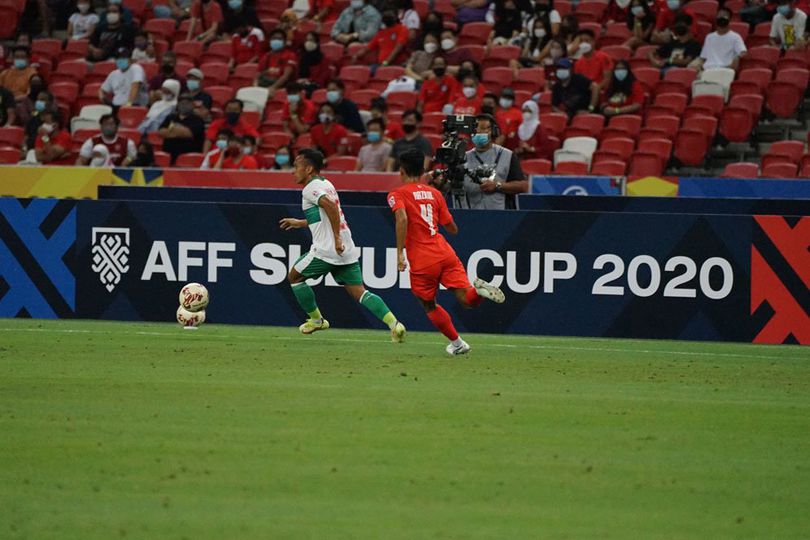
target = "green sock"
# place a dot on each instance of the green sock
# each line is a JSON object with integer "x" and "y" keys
{"x": 376, "y": 305}
{"x": 306, "y": 299}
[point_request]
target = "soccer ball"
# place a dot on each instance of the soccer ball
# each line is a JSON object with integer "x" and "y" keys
{"x": 194, "y": 297}
{"x": 189, "y": 319}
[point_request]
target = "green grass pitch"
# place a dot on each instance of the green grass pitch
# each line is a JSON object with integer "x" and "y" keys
{"x": 116, "y": 430}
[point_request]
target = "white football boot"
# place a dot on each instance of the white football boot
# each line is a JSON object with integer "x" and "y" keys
{"x": 452, "y": 350}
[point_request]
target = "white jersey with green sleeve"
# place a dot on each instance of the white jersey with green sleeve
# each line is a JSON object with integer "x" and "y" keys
{"x": 323, "y": 244}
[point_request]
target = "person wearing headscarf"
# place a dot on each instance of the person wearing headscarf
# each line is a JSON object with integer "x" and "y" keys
{"x": 101, "y": 157}
{"x": 533, "y": 141}
{"x": 162, "y": 108}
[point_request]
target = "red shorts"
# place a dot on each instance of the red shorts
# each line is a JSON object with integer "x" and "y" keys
{"x": 449, "y": 272}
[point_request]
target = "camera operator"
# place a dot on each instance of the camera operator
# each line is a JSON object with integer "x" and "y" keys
{"x": 487, "y": 157}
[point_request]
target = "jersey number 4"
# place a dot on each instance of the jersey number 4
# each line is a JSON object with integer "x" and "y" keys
{"x": 427, "y": 214}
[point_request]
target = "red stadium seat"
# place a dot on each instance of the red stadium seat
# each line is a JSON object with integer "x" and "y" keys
{"x": 218, "y": 51}
{"x": 771, "y": 158}
{"x": 783, "y": 98}
{"x": 100, "y": 71}
{"x": 434, "y": 139}
{"x": 752, "y": 102}
{"x": 593, "y": 123}
{"x": 736, "y": 124}
{"x": 341, "y": 163}
{"x": 704, "y": 10}
{"x": 497, "y": 78}
{"x": 246, "y": 71}
{"x": 759, "y": 76}
{"x": 276, "y": 139}
{"x": 705, "y": 124}
{"x": 617, "y": 52}
{"x": 215, "y": 73}
{"x": 712, "y": 102}
{"x": 188, "y": 50}
{"x": 674, "y": 102}
{"x": 163, "y": 160}
{"x": 793, "y": 149}
{"x": 161, "y": 28}
{"x": 741, "y": 170}
{"x": 780, "y": 170}
{"x": 536, "y": 166}
{"x": 191, "y": 160}
{"x": 554, "y": 122}
{"x": 383, "y": 76}
{"x": 477, "y": 52}
{"x": 12, "y": 136}
{"x": 65, "y": 92}
{"x": 760, "y": 37}
{"x": 804, "y": 166}
{"x": 131, "y": 117}
{"x": 740, "y": 27}
{"x": 629, "y": 123}
{"x": 529, "y": 79}
{"x": 364, "y": 97}
{"x": 572, "y": 168}
{"x": 615, "y": 34}
{"x": 137, "y": 7}
{"x": 401, "y": 101}
{"x": 220, "y": 94}
{"x": 474, "y": 33}
{"x": 691, "y": 147}
{"x": 685, "y": 76}
{"x": 70, "y": 70}
{"x": 791, "y": 63}
{"x": 10, "y": 156}
{"x": 358, "y": 76}
{"x": 767, "y": 54}
{"x": 47, "y": 47}
{"x": 799, "y": 77}
{"x": 645, "y": 164}
{"x": 660, "y": 147}
{"x": 501, "y": 56}
{"x": 648, "y": 77}
{"x": 667, "y": 123}
{"x": 332, "y": 51}
{"x": 609, "y": 168}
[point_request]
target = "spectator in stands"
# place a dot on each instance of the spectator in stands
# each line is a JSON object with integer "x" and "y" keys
{"x": 544, "y": 10}
{"x": 174, "y": 9}
{"x": 379, "y": 111}
{"x": 8, "y": 108}
{"x": 183, "y": 131}
{"x": 300, "y": 113}
{"x": 52, "y": 145}
{"x": 508, "y": 24}
{"x": 238, "y": 13}
{"x": 330, "y": 137}
{"x": 593, "y": 63}
{"x": 419, "y": 64}
{"x": 509, "y": 117}
{"x": 617, "y": 11}
{"x": 320, "y": 11}
{"x": 234, "y": 157}
{"x": 162, "y": 108}
{"x": 232, "y": 120}
{"x": 144, "y": 50}
{"x": 168, "y": 70}
{"x": 250, "y": 148}
{"x": 347, "y": 112}
{"x": 111, "y": 36}
{"x": 222, "y": 136}
{"x": 389, "y": 42}
{"x": 470, "y": 98}
{"x": 25, "y": 106}
{"x": 569, "y": 27}
{"x": 433, "y": 25}
{"x": 278, "y": 66}
{"x": 533, "y": 141}
{"x": 641, "y": 22}
{"x": 788, "y": 26}
{"x": 17, "y": 79}
{"x": 408, "y": 16}
{"x": 202, "y": 100}
{"x": 451, "y": 53}
{"x": 372, "y": 156}
{"x": 145, "y": 156}
{"x": 126, "y": 85}
{"x": 358, "y": 22}
{"x": 315, "y": 68}
{"x": 534, "y": 44}
{"x": 82, "y": 23}
{"x": 247, "y": 44}
{"x": 283, "y": 159}
{"x": 757, "y": 11}
{"x": 489, "y": 104}
{"x": 554, "y": 51}
{"x": 413, "y": 140}
{"x": 625, "y": 94}
{"x": 679, "y": 52}
{"x": 673, "y": 14}
{"x": 438, "y": 90}
{"x": 470, "y": 10}
{"x": 206, "y": 21}
{"x": 126, "y": 13}
{"x": 573, "y": 92}
{"x": 30, "y": 116}
{"x": 724, "y": 47}
{"x": 120, "y": 151}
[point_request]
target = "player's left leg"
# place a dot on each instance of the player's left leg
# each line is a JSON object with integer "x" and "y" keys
{"x": 351, "y": 277}
{"x": 454, "y": 277}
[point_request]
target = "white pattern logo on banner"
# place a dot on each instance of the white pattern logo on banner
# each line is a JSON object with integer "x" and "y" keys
{"x": 110, "y": 255}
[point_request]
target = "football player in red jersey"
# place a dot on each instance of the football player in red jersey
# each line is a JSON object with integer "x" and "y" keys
{"x": 419, "y": 209}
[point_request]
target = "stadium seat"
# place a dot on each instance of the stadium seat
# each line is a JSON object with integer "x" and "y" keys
{"x": 668, "y": 123}
{"x": 9, "y": 20}
{"x": 660, "y": 147}
{"x": 137, "y": 7}
{"x": 554, "y": 122}
{"x": 704, "y": 10}
{"x": 276, "y": 140}
{"x": 355, "y": 76}
{"x": 529, "y": 79}
{"x": 616, "y": 33}
{"x": 188, "y": 50}
{"x": 94, "y": 112}
{"x": 780, "y": 170}
{"x": 434, "y": 139}
{"x": 783, "y": 98}
{"x": 501, "y": 56}
{"x": 581, "y": 145}
{"x": 736, "y": 124}
{"x": 100, "y": 71}
{"x": 791, "y": 63}
{"x": 629, "y": 123}
{"x": 401, "y": 100}
{"x": 710, "y": 102}
{"x": 562, "y": 155}
{"x": 676, "y": 103}
{"x": 700, "y": 88}
{"x": 617, "y": 52}
{"x": 303, "y": 141}
{"x": 590, "y": 11}
{"x": 219, "y": 51}
{"x": 609, "y": 168}
{"x": 384, "y": 75}
{"x": 220, "y": 94}
{"x": 691, "y": 146}
{"x": 70, "y": 71}
{"x": 759, "y": 76}
{"x": 254, "y": 97}
{"x": 47, "y": 47}
{"x": 604, "y": 155}
{"x": 771, "y": 158}
{"x": 752, "y": 102}
{"x": 162, "y": 28}
{"x": 474, "y": 33}
{"x": 741, "y": 170}
{"x": 645, "y": 164}
{"x": 65, "y": 92}
{"x": 497, "y": 78}
{"x": 191, "y": 160}
{"x": 766, "y": 55}
{"x": 477, "y": 52}
{"x": 12, "y": 136}
{"x": 162, "y": 160}
{"x": 760, "y": 37}
{"x": 793, "y": 149}
{"x": 621, "y": 146}
{"x": 216, "y": 73}
{"x": 804, "y": 166}
{"x": 254, "y": 118}
{"x": 685, "y": 76}
{"x": 131, "y": 117}
{"x": 593, "y": 123}
{"x": 246, "y": 71}
{"x": 572, "y": 168}
{"x": 332, "y": 51}
{"x": 9, "y": 156}
{"x": 705, "y": 124}
{"x": 799, "y": 77}
{"x": 364, "y": 97}
{"x": 722, "y": 76}
{"x": 648, "y": 77}
{"x": 341, "y": 163}
{"x": 536, "y": 166}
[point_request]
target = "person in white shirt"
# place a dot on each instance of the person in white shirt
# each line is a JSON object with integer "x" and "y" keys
{"x": 82, "y": 24}
{"x": 723, "y": 47}
{"x": 788, "y": 25}
{"x": 126, "y": 85}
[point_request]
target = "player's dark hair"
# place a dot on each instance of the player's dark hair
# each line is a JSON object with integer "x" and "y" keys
{"x": 313, "y": 157}
{"x": 412, "y": 162}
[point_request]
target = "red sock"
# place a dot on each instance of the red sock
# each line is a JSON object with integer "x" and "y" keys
{"x": 472, "y": 297}
{"x": 441, "y": 320}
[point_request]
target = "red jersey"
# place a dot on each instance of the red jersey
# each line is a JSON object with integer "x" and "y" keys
{"x": 274, "y": 63}
{"x": 386, "y": 40}
{"x": 436, "y": 93}
{"x": 509, "y": 121}
{"x": 328, "y": 142}
{"x": 426, "y": 210}
{"x": 307, "y": 111}
{"x": 118, "y": 149}
{"x": 594, "y": 67}
{"x": 59, "y": 138}
{"x": 208, "y": 14}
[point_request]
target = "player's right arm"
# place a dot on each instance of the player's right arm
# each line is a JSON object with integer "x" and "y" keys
{"x": 401, "y": 217}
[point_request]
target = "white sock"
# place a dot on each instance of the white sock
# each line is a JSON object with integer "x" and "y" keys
{"x": 458, "y": 341}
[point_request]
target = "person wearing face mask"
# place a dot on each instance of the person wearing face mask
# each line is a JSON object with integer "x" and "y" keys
{"x": 640, "y": 22}
{"x": 111, "y": 35}
{"x": 161, "y": 109}
{"x": 251, "y": 148}
{"x": 508, "y": 24}
{"x": 533, "y": 45}
{"x": 533, "y": 141}
{"x": 248, "y": 44}
{"x": 593, "y": 63}
{"x": 120, "y": 151}
{"x": 82, "y": 24}
{"x": 421, "y": 60}
{"x": 393, "y": 128}
{"x": 372, "y": 156}
{"x": 489, "y": 104}
{"x": 329, "y": 136}
{"x": 453, "y": 56}
{"x": 52, "y": 145}
{"x": 544, "y": 9}
{"x": 168, "y": 70}
{"x": 624, "y": 95}
{"x": 29, "y": 113}
{"x": 232, "y": 120}
{"x": 206, "y": 20}
{"x": 234, "y": 157}
{"x": 144, "y": 49}
{"x": 17, "y": 78}
{"x": 673, "y": 13}
{"x": 438, "y": 90}
{"x": 412, "y": 140}
{"x": 360, "y": 21}
{"x": 433, "y": 24}
{"x": 202, "y": 100}
{"x": 300, "y": 112}
{"x": 389, "y": 42}
{"x": 182, "y": 131}
{"x": 126, "y": 85}
{"x": 679, "y": 52}
{"x": 788, "y": 26}
{"x": 724, "y": 47}
{"x": 314, "y": 69}
{"x": 212, "y": 156}
{"x": 278, "y": 65}
{"x": 470, "y": 97}
{"x": 347, "y": 111}
{"x": 509, "y": 117}
{"x": 283, "y": 159}
{"x": 125, "y": 13}
{"x": 572, "y": 92}
{"x": 554, "y": 51}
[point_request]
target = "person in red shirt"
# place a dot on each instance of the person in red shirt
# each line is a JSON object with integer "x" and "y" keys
{"x": 330, "y": 137}
{"x": 593, "y": 64}
{"x": 234, "y": 157}
{"x": 438, "y": 91}
{"x": 509, "y": 118}
{"x": 299, "y": 114}
{"x": 251, "y": 149}
{"x": 206, "y": 20}
{"x": 625, "y": 95}
{"x": 247, "y": 45}
{"x": 389, "y": 42}
{"x": 469, "y": 97}
{"x": 279, "y": 65}
{"x": 52, "y": 145}
{"x": 232, "y": 120}
{"x": 419, "y": 209}
{"x": 669, "y": 13}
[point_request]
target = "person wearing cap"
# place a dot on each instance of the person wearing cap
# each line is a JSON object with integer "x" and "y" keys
{"x": 182, "y": 131}
{"x": 202, "y": 100}
{"x": 112, "y": 34}
{"x": 509, "y": 118}
{"x": 573, "y": 92}
{"x": 126, "y": 85}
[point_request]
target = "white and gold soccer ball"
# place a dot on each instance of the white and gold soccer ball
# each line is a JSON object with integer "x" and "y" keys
{"x": 190, "y": 319}
{"x": 194, "y": 297}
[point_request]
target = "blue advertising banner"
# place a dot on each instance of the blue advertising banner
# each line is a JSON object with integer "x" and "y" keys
{"x": 758, "y": 188}
{"x": 574, "y": 185}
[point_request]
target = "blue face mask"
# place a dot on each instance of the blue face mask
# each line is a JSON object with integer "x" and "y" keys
{"x": 122, "y": 64}
{"x": 282, "y": 159}
{"x": 637, "y": 10}
{"x": 563, "y": 74}
{"x": 116, "y": 1}
{"x": 40, "y": 105}
{"x": 193, "y": 85}
{"x": 480, "y": 139}
{"x": 222, "y": 144}
{"x": 673, "y": 4}
{"x": 235, "y": 4}
{"x": 784, "y": 11}
{"x": 333, "y": 96}
{"x": 293, "y": 98}
{"x": 20, "y": 63}
{"x": 276, "y": 44}
{"x": 374, "y": 136}
{"x": 620, "y": 74}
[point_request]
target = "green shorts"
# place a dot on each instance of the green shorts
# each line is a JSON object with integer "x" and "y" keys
{"x": 311, "y": 267}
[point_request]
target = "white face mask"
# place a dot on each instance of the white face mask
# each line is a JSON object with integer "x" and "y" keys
{"x": 527, "y": 116}
{"x": 47, "y": 128}
{"x": 585, "y": 48}
{"x": 469, "y": 91}
{"x": 431, "y": 48}
{"x": 310, "y": 46}
{"x": 505, "y": 103}
{"x": 448, "y": 44}
{"x": 112, "y": 18}
{"x": 622, "y": 3}
{"x": 84, "y": 8}
{"x": 540, "y": 33}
